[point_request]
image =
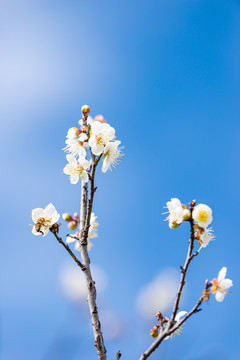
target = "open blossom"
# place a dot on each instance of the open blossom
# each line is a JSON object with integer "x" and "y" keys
{"x": 202, "y": 214}
{"x": 111, "y": 155}
{"x": 178, "y": 319}
{"x": 44, "y": 219}
{"x": 76, "y": 169}
{"x": 101, "y": 134}
{"x": 175, "y": 216}
{"x": 221, "y": 285}
{"x": 75, "y": 147}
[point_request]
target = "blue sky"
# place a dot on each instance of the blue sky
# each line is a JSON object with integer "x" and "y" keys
{"x": 166, "y": 75}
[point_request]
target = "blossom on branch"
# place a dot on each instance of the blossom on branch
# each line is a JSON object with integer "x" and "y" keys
{"x": 101, "y": 134}
{"x": 76, "y": 169}
{"x": 111, "y": 155}
{"x": 202, "y": 214}
{"x": 178, "y": 319}
{"x": 175, "y": 216}
{"x": 221, "y": 285}
{"x": 44, "y": 219}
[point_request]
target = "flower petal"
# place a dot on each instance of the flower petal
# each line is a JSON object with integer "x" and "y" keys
{"x": 180, "y": 315}
{"x": 226, "y": 284}
{"x": 219, "y": 296}
{"x": 37, "y": 214}
{"x": 222, "y": 274}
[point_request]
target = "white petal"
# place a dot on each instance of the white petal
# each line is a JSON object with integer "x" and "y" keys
{"x": 105, "y": 165}
{"x": 222, "y": 274}
{"x": 226, "y": 284}
{"x": 219, "y": 296}
{"x": 96, "y": 127}
{"x": 97, "y": 149}
{"x": 84, "y": 176}
{"x": 180, "y": 315}
{"x": 37, "y": 214}
{"x": 51, "y": 211}
{"x": 74, "y": 178}
{"x": 71, "y": 159}
{"x": 77, "y": 246}
{"x": 70, "y": 239}
{"x": 35, "y": 232}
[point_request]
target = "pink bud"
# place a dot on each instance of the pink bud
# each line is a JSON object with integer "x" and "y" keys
{"x": 154, "y": 331}
{"x": 100, "y": 118}
{"x": 75, "y": 215}
{"x": 85, "y": 109}
{"x": 66, "y": 217}
{"x": 72, "y": 225}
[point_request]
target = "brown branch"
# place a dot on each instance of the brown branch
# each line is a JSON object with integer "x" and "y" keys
{"x": 172, "y": 327}
{"x": 169, "y": 331}
{"x": 85, "y": 216}
{"x": 78, "y": 262}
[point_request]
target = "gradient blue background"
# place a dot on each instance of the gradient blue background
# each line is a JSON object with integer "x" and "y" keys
{"x": 166, "y": 75}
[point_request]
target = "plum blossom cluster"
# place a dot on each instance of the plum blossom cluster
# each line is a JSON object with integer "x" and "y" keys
{"x": 73, "y": 224}
{"x": 100, "y": 138}
{"x": 201, "y": 215}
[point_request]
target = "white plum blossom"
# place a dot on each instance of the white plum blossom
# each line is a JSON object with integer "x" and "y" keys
{"x": 221, "y": 285}
{"x": 72, "y": 238}
{"x": 44, "y": 219}
{"x": 111, "y": 155}
{"x": 175, "y": 216}
{"x": 76, "y": 169}
{"x": 101, "y": 134}
{"x": 206, "y": 236}
{"x": 202, "y": 214}
{"x": 178, "y": 319}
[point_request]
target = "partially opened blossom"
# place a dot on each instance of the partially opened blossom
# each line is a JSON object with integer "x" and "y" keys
{"x": 178, "y": 319}
{"x": 175, "y": 216}
{"x": 206, "y": 236}
{"x": 202, "y": 214}
{"x": 73, "y": 133}
{"x": 44, "y": 219}
{"x": 101, "y": 134}
{"x": 76, "y": 169}
{"x": 221, "y": 285}
{"x": 111, "y": 155}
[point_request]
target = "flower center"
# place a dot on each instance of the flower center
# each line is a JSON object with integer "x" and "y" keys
{"x": 202, "y": 215}
{"x": 99, "y": 140}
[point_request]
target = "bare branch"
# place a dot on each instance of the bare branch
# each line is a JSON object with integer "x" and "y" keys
{"x": 118, "y": 355}
{"x": 78, "y": 262}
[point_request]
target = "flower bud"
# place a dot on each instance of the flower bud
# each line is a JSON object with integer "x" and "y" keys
{"x": 85, "y": 110}
{"x": 186, "y": 214}
{"x": 75, "y": 215}
{"x": 72, "y": 225}
{"x": 67, "y": 217}
{"x": 154, "y": 331}
{"x": 100, "y": 118}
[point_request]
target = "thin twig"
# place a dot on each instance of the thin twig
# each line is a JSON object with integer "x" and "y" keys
{"x": 118, "y": 355}
{"x": 77, "y": 261}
